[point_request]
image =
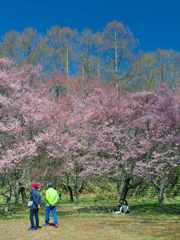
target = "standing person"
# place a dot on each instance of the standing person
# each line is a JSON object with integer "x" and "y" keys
{"x": 51, "y": 198}
{"x": 34, "y": 205}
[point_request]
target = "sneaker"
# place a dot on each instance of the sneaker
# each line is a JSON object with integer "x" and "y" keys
{"x": 39, "y": 227}
{"x": 45, "y": 224}
{"x": 55, "y": 225}
{"x": 32, "y": 229}
{"x": 51, "y": 224}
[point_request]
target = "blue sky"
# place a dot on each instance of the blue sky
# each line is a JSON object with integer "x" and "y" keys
{"x": 156, "y": 23}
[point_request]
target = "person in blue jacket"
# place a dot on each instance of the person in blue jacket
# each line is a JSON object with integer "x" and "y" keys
{"x": 34, "y": 205}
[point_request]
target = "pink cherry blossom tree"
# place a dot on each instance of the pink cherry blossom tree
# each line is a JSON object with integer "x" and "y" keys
{"x": 17, "y": 86}
{"x": 126, "y": 131}
{"x": 97, "y": 131}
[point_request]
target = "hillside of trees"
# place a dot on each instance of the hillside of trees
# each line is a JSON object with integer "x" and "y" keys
{"x": 112, "y": 53}
{"x": 77, "y": 107}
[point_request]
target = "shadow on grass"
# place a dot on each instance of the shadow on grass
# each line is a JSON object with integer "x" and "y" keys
{"x": 136, "y": 210}
{"x": 13, "y": 212}
{"x": 155, "y": 209}
{"x": 139, "y": 210}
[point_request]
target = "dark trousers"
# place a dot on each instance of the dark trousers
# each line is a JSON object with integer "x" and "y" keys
{"x": 34, "y": 214}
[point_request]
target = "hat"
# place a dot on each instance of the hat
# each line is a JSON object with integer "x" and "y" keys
{"x": 36, "y": 185}
{"x": 49, "y": 185}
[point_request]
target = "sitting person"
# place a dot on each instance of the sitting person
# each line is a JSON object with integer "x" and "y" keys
{"x": 122, "y": 207}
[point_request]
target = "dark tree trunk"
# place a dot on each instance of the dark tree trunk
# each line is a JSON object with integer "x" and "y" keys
{"x": 22, "y": 192}
{"x": 70, "y": 194}
{"x": 8, "y": 195}
{"x": 68, "y": 187}
{"x": 77, "y": 182}
{"x": 82, "y": 187}
{"x": 124, "y": 189}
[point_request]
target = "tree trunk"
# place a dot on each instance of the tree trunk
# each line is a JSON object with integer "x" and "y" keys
{"x": 115, "y": 53}
{"x": 8, "y": 196}
{"x": 161, "y": 191}
{"x": 83, "y": 74}
{"x": 16, "y": 193}
{"x": 70, "y": 193}
{"x": 22, "y": 192}
{"x": 82, "y": 187}
{"x": 67, "y": 61}
{"x": 98, "y": 71}
{"x": 160, "y": 187}
{"x": 162, "y": 72}
{"x": 77, "y": 194}
{"x": 161, "y": 197}
{"x": 124, "y": 189}
{"x": 76, "y": 188}
{"x": 77, "y": 183}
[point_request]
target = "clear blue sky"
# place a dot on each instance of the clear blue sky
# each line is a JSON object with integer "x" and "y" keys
{"x": 156, "y": 23}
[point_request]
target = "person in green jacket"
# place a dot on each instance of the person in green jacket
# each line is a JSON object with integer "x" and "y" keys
{"x": 51, "y": 198}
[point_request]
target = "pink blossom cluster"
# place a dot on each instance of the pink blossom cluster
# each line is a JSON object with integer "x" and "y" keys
{"x": 99, "y": 129}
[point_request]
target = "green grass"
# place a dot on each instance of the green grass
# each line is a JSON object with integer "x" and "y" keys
{"x": 90, "y": 220}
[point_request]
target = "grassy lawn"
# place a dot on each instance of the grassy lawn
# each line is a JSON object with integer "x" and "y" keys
{"x": 86, "y": 221}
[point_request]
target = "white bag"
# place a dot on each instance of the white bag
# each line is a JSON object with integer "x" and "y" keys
{"x": 30, "y": 203}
